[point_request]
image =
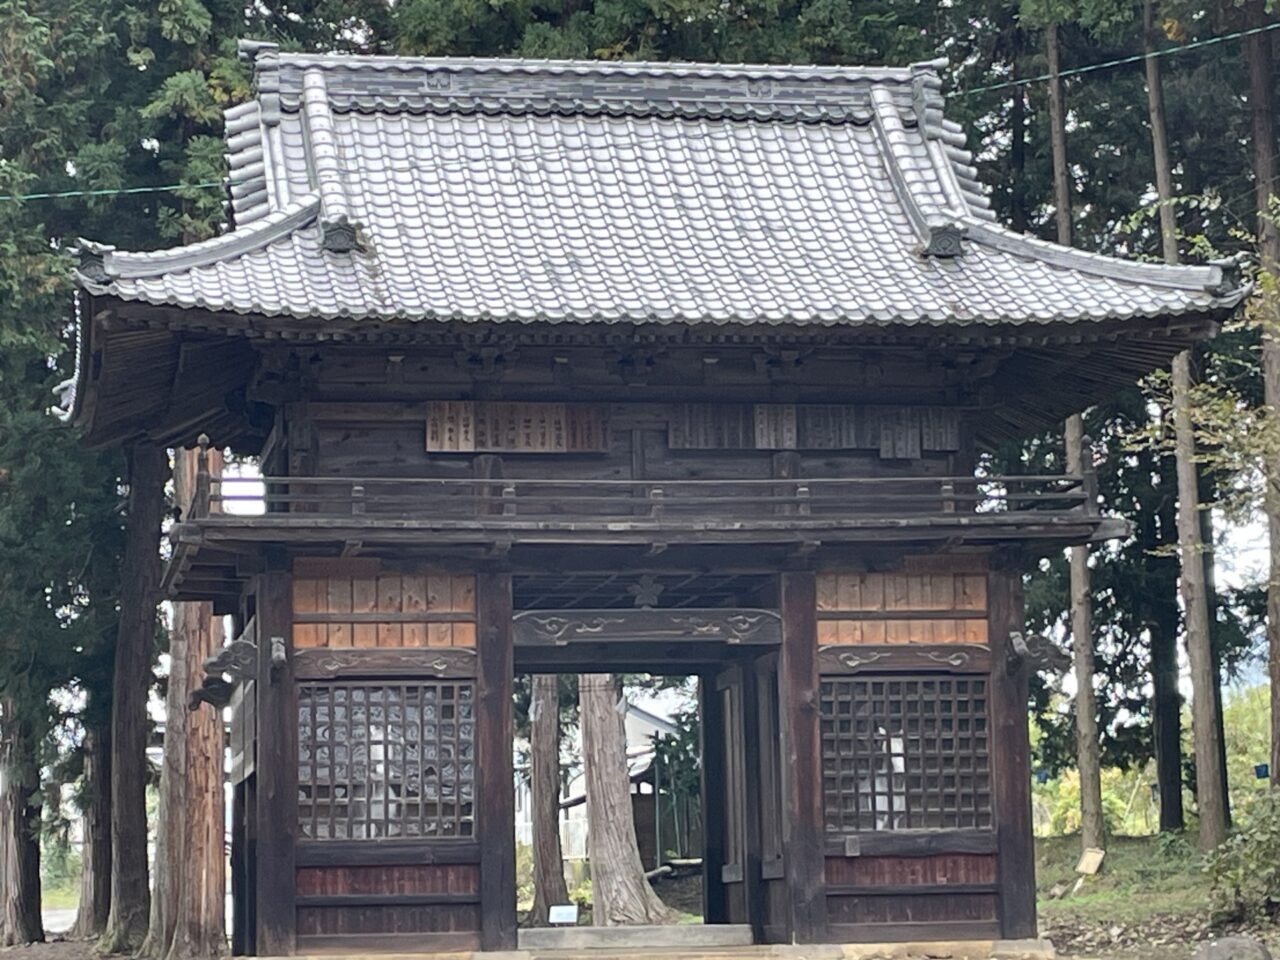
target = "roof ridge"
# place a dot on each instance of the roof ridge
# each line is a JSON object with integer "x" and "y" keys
{"x": 1219, "y": 277}
{"x": 253, "y": 50}
{"x": 762, "y": 91}
{"x": 322, "y": 150}
{"x": 102, "y": 262}
{"x": 938, "y": 230}
{"x": 246, "y": 162}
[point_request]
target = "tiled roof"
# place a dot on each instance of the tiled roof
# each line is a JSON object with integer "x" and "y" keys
{"x": 488, "y": 190}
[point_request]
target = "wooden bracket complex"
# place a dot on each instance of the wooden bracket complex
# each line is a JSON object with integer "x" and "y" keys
{"x": 235, "y": 661}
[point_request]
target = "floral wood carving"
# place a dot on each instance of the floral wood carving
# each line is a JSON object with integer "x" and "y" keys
{"x": 723, "y": 626}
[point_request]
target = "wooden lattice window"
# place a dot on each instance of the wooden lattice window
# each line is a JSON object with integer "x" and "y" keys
{"x": 386, "y": 759}
{"x": 905, "y": 753}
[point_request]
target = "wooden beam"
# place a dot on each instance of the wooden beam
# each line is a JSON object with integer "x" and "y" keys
{"x": 802, "y": 758}
{"x": 495, "y": 800}
{"x": 912, "y": 843}
{"x": 1011, "y": 755}
{"x": 682, "y": 624}
{"x": 277, "y": 768}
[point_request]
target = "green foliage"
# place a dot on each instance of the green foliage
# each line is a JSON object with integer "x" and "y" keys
{"x": 1244, "y": 873}
{"x": 677, "y": 756}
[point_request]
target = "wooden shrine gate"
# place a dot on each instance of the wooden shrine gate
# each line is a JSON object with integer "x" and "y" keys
{"x": 863, "y": 744}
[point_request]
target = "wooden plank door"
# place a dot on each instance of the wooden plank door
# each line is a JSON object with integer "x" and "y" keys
{"x": 738, "y": 804}
{"x": 770, "y": 915}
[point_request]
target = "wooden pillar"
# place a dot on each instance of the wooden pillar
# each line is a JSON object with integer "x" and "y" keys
{"x": 749, "y": 737}
{"x": 711, "y": 715}
{"x": 1011, "y": 753}
{"x": 802, "y": 763}
{"x": 276, "y": 802}
{"x": 495, "y": 780}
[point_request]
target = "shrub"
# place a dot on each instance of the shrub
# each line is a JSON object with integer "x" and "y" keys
{"x": 1244, "y": 872}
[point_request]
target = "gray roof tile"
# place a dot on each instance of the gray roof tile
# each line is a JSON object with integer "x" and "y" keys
{"x": 580, "y": 191}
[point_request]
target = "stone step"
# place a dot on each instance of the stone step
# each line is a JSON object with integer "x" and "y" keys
{"x": 683, "y": 937}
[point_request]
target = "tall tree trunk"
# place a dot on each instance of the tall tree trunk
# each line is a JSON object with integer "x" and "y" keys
{"x": 1262, "y": 114}
{"x": 20, "y": 920}
{"x": 1159, "y": 137}
{"x": 1088, "y": 758}
{"x": 1088, "y": 747}
{"x": 544, "y": 788}
{"x": 1018, "y": 143}
{"x": 1058, "y": 139}
{"x": 135, "y": 642}
{"x": 95, "y": 856}
{"x": 187, "y": 903}
{"x": 1210, "y": 774}
{"x": 620, "y": 894}
{"x": 1163, "y": 618}
{"x": 1205, "y": 488}
{"x": 1205, "y": 726}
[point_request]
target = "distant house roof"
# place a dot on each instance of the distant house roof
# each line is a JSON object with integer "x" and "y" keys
{"x": 398, "y": 189}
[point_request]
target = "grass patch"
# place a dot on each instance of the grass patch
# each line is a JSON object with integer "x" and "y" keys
{"x": 1142, "y": 877}
{"x": 60, "y": 898}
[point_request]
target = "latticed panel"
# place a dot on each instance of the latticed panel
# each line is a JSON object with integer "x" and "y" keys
{"x": 905, "y": 753}
{"x": 386, "y": 760}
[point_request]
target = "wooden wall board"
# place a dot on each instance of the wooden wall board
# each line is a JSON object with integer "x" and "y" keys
{"x": 905, "y": 606}
{"x": 390, "y": 880}
{"x": 382, "y": 608}
{"x": 896, "y": 432}
{"x": 387, "y": 918}
{"x": 941, "y": 909}
{"x": 940, "y": 869}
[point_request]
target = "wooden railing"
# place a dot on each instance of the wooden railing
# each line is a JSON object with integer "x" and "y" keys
{"x": 655, "y": 501}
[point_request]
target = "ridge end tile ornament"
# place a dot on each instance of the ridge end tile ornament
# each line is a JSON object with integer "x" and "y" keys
{"x": 945, "y": 240}
{"x": 341, "y": 235}
{"x": 93, "y": 260}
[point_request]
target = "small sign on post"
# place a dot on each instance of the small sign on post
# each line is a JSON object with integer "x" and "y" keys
{"x": 563, "y": 913}
{"x": 1090, "y": 861}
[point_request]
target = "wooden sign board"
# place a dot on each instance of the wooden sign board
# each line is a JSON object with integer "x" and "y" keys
{"x": 896, "y": 432}
{"x": 516, "y": 427}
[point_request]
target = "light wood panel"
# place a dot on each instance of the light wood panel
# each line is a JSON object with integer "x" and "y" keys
{"x": 923, "y": 603}
{"x": 362, "y": 605}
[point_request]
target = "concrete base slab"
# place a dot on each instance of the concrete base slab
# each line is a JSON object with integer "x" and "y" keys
{"x": 681, "y": 937}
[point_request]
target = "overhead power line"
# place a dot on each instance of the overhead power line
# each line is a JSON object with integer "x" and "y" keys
{"x": 1119, "y": 62}
{"x": 968, "y": 92}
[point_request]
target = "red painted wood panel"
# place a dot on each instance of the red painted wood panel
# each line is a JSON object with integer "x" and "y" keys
{"x": 961, "y": 868}
{"x": 389, "y": 880}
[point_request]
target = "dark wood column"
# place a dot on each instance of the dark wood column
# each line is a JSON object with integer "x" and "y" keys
{"x": 1011, "y": 753}
{"x": 802, "y": 759}
{"x": 711, "y": 716}
{"x": 495, "y": 775}
{"x": 751, "y": 787}
{"x": 276, "y": 800}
